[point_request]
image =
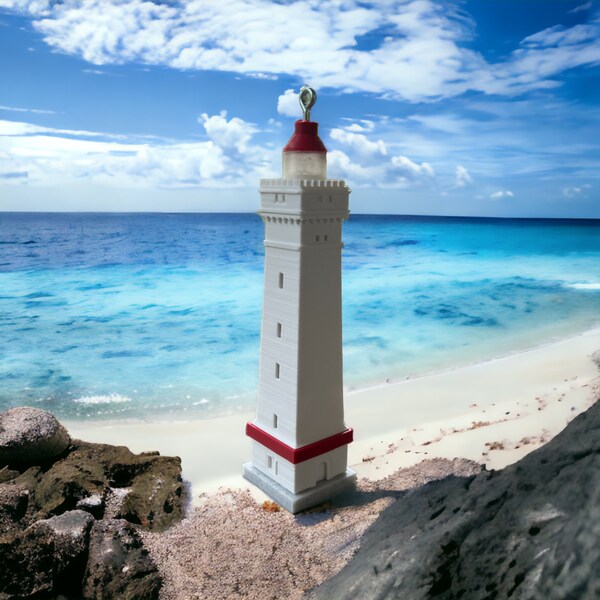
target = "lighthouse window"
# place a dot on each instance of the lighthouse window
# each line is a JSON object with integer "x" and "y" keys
{"x": 278, "y": 330}
{"x": 277, "y": 370}
{"x": 274, "y": 421}
{"x": 330, "y": 198}
{"x": 281, "y": 280}
{"x": 317, "y": 238}
{"x": 269, "y": 461}
{"x": 325, "y": 237}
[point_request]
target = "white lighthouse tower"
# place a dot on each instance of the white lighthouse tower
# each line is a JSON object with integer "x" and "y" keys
{"x": 299, "y": 438}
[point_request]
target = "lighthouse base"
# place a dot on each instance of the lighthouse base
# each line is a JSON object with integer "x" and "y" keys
{"x": 295, "y": 503}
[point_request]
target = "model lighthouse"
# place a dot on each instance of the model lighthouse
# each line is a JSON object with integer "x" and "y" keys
{"x": 299, "y": 439}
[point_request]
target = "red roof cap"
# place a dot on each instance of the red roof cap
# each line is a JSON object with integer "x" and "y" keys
{"x": 306, "y": 138}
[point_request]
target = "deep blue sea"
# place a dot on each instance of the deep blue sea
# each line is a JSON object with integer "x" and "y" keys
{"x": 158, "y": 315}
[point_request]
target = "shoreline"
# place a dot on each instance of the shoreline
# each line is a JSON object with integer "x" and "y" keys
{"x": 365, "y": 386}
{"x": 350, "y": 389}
{"x": 491, "y": 412}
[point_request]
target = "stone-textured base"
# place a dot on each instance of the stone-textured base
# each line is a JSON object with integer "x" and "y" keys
{"x": 295, "y": 503}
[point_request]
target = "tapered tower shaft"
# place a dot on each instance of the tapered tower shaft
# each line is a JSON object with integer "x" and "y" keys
{"x": 299, "y": 447}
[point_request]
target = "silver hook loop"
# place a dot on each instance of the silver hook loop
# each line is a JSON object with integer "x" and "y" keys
{"x": 307, "y": 98}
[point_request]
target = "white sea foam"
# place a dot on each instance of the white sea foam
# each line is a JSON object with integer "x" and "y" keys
{"x": 108, "y": 399}
{"x": 203, "y": 401}
{"x": 584, "y": 286}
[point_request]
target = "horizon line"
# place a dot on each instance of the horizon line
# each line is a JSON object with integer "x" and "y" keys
{"x": 402, "y": 215}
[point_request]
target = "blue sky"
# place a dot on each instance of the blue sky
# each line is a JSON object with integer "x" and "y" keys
{"x": 482, "y": 107}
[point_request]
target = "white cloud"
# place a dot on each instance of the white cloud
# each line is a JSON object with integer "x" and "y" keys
{"x": 360, "y": 126}
{"x": 462, "y": 177}
{"x": 266, "y": 76}
{"x": 232, "y": 134}
{"x": 46, "y": 156}
{"x": 501, "y": 194}
{"x": 365, "y": 162}
{"x": 559, "y": 35}
{"x": 582, "y": 7}
{"x": 21, "y": 128}
{"x": 576, "y": 190}
{"x": 94, "y": 72}
{"x": 358, "y": 142}
{"x": 227, "y": 157}
{"x": 36, "y": 111}
{"x": 340, "y": 166}
{"x": 289, "y": 105}
{"x": 424, "y": 56}
{"x": 411, "y": 169}
{"x": 396, "y": 172}
{"x": 442, "y": 122}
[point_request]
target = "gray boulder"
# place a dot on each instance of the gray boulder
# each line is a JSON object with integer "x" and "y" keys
{"x": 30, "y": 436}
{"x": 118, "y": 565}
{"x": 48, "y": 557}
{"x": 529, "y": 531}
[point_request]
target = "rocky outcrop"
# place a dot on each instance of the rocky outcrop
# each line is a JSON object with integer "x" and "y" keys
{"x": 29, "y": 436}
{"x": 118, "y": 565}
{"x": 150, "y": 485}
{"x": 58, "y": 504}
{"x": 531, "y": 530}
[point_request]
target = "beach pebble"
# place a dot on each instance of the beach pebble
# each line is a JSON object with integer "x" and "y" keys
{"x": 30, "y": 436}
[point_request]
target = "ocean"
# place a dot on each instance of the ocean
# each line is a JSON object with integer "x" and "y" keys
{"x": 157, "y": 316}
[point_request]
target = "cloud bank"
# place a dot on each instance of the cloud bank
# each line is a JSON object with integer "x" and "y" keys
{"x": 423, "y": 54}
{"x": 228, "y": 157}
{"x": 47, "y": 156}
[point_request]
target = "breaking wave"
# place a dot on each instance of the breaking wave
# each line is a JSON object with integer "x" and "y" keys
{"x": 107, "y": 399}
{"x": 584, "y": 286}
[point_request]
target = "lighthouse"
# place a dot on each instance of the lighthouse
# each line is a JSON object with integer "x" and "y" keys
{"x": 299, "y": 437}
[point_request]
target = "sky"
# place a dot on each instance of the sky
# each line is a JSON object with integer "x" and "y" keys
{"x": 474, "y": 107}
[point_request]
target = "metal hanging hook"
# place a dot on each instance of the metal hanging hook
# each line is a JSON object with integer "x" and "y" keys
{"x": 307, "y": 98}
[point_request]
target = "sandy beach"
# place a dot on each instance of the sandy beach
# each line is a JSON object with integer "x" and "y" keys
{"x": 492, "y": 413}
{"x": 406, "y": 434}
{"x": 460, "y": 421}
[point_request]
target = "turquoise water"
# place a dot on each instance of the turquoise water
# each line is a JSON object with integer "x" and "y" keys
{"x": 129, "y": 316}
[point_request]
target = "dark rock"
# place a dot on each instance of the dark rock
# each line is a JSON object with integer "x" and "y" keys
{"x": 68, "y": 481}
{"x": 47, "y": 557}
{"x": 118, "y": 565}
{"x": 29, "y": 436}
{"x": 7, "y": 474}
{"x": 85, "y": 476}
{"x": 13, "y": 507}
{"x": 531, "y": 530}
{"x": 51, "y": 491}
{"x": 154, "y": 501}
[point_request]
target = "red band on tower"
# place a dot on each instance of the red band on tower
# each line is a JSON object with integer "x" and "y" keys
{"x": 298, "y": 455}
